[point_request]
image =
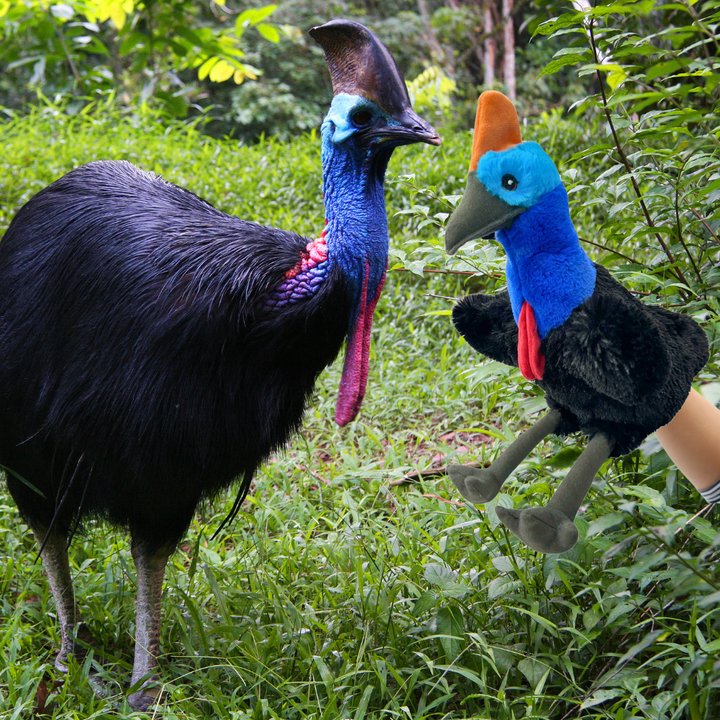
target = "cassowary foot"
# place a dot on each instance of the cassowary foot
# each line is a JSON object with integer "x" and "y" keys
{"x": 84, "y": 641}
{"x": 146, "y": 697}
{"x": 544, "y": 529}
{"x": 478, "y": 485}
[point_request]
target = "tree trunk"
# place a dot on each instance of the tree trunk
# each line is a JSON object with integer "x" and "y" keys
{"x": 508, "y": 48}
{"x": 436, "y": 49}
{"x": 490, "y": 45}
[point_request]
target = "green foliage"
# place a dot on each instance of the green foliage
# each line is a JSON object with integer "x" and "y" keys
{"x": 133, "y": 49}
{"x": 431, "y": 94}
{"x": 339, "y": 594}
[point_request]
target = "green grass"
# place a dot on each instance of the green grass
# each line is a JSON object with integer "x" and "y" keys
{"x": 337, "y": 594}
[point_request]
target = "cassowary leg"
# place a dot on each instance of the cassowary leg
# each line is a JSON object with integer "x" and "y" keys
{"x": 55, "y": 561}
{"x": 481, "y": 485}
{"x": 551, "y": 529}
{"x": 150, "y": 568}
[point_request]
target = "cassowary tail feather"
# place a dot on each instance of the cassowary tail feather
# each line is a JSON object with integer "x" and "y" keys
{"x": 235, "y": 509}
{"x": 59, "y": 506}
{"x": 78, "y": 514}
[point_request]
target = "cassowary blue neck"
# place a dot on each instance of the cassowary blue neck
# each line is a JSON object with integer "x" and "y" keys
{"x": 546, "y": 267}
{"x": 357, "y": 232}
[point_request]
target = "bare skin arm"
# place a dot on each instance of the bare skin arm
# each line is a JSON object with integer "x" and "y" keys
{"x": 692, "y": 440}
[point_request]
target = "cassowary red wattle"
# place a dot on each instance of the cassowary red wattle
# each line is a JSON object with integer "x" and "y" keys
{"x": 611, "y": 366}
{"x": 155, "y": 349}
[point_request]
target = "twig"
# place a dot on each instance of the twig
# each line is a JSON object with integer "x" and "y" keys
{"x": 439, "y": 272}
{"x": 678, "y": 225}
{"x": 61, "y": 38}
{"x": 702, "y": 220}
{"x": 615, "y": 252}
{"x": 445, "y": 500}
{"x": 676, "y": 269}
{"x": 421, "y": 474}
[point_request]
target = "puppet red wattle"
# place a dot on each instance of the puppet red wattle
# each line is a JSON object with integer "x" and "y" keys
{"x": 530, "y": 360}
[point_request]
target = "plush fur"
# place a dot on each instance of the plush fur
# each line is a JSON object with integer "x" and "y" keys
{"x": 617, "y": 366}
{"x": 546, "y": 266}
{"x": 532, "y": 168}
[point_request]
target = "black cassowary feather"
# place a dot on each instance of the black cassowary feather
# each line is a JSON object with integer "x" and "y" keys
{"x": 194, "y": 379}
{"x": 154, "y": 349}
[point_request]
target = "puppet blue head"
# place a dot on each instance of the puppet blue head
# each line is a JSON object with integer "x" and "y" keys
{"x": 514, "y": 191}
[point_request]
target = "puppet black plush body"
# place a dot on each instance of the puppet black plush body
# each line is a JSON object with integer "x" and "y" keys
{"x": 611, "y": 367}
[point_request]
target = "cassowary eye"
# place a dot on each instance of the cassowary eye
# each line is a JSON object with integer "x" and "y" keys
{"x": 509, "y": 182}
{"x": 361, "y": 118}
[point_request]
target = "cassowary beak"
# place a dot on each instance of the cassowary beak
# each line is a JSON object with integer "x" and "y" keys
{"x": 360, "y": 64}
{"x": 480, "y": 213}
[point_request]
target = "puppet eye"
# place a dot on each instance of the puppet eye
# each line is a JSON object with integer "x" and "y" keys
{"x": 361, "y": 118}
{"x": 509, "y": 182}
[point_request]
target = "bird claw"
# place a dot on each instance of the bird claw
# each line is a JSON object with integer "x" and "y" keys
{"x": 478, "y": 485}
{"x": 544, "y": 529}
{"x": 146, "y": 697}
{"x": 78, "y": 650}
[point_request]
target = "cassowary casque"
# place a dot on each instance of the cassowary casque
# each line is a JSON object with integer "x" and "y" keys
{"x": 611, "y": 366}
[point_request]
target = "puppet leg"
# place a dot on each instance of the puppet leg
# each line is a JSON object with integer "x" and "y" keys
{"x": 55, "y": 561}
{"x": 551, "y": 529}
{"x": 150, "y": 572}
{"x": 481, "y": 485}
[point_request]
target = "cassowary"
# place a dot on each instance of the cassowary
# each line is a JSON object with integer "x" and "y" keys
{"x": 611, "y": 367}
{"x": 153, "y": 349}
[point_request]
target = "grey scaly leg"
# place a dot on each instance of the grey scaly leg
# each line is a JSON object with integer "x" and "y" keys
{"x": 481, "y": 485}
{"x": 150, "y": 572}
{"x": 55, "y": 561}
{"x": 551, "y": 529}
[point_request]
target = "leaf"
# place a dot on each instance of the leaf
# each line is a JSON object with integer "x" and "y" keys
{"x": 451, "y": 627}
{"x": 439, "y": 574}
{"x": 604, "y": 523}
{"x": 424, "y": 603}
{"x": 268, "y": 32}
{"x": 22, "y": 480}
{"x": 446, "y": 580}
{"x": 563, "y": 21}
{"x": 505, "y": 563}
{"x": 253, "y": 16}
{"x": 63, "y": 12}
{"x": 564, "y": 458}
{"x": 206, "y": 67}
{"x": 533, "y": 670}
{"x": 648, "y": 495}
{"x": 636, "y": 649}
{"x": 601, "y": 696}
{"x": 467, "y": 674}
{"x": 501, "y": 586}
{"x": 221, "y": 71}
{"x": 554, "y": 65}
{"x": 591, "y": 618}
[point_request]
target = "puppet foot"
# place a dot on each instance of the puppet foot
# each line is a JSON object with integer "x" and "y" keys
{"x": 478, "y": 485}
{"x": 544, "y": 529}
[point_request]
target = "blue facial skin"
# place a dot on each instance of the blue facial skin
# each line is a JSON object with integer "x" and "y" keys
{"x": 545, "y": 264}
{"x": 353, "y": 172}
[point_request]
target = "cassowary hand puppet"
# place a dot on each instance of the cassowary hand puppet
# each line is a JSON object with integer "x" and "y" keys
{"x": 611, "y": 367}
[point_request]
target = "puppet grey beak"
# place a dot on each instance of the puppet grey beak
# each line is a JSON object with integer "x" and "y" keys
{"x": 479, "y": 214}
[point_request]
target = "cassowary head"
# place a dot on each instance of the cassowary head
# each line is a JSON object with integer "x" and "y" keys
{"x": 506, "y": 178}
{"x": 371, "y": 109}
{"x": 370, "y": 115}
